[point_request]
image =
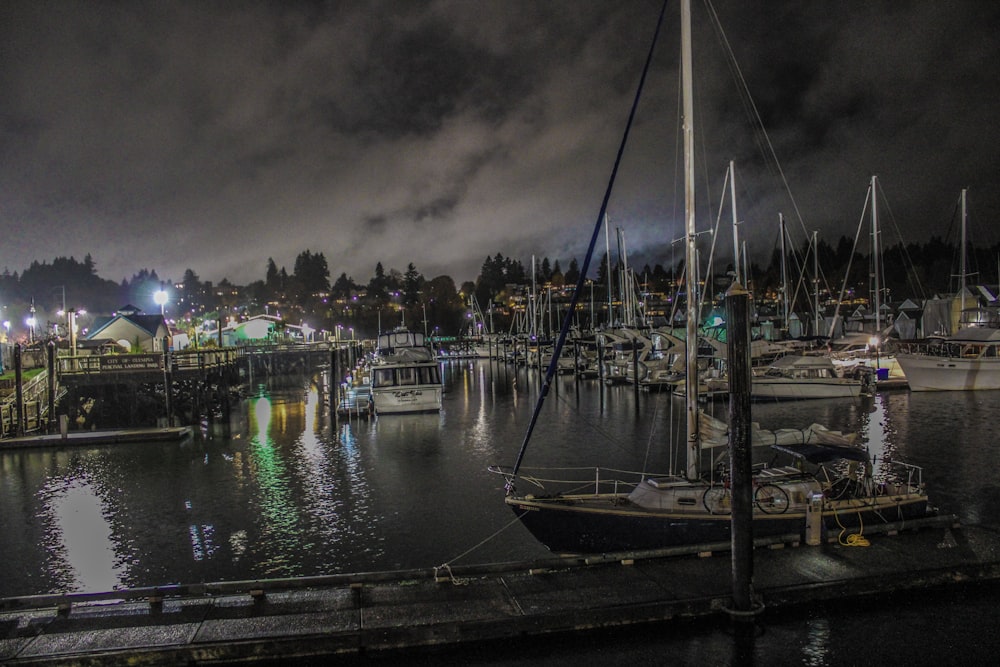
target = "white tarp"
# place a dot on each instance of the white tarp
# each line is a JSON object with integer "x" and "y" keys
{"x": 715, "y": 433}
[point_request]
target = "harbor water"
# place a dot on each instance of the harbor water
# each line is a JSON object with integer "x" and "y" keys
{"x": 291, "y": 494}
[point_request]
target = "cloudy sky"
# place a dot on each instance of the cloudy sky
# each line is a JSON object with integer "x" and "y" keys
{"x": 214, "y": 135}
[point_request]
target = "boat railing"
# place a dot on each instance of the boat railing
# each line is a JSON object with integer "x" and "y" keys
{"x": 905, "y": 475}
{"x": 938, "y": 347}
{"x": 577, "y": 480}
{"x": 891, "y": 478}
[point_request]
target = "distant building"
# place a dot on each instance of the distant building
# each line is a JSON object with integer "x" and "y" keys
{"x": 132, "y": 330}
{"x": 260, "y": 329}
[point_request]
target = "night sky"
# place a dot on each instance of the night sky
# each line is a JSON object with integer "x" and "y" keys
{"x": 214, "y": 135}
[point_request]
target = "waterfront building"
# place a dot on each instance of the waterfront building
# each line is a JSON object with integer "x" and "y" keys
{"x": 132, "y": 330}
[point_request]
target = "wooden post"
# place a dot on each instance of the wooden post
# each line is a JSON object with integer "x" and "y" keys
{"x": 167, "y": 380}
{"x": 52, "y": 386}
{"x": 600, "y": 360}
{"x": 635, "y": 372}
{"x": 19, "y": 389}
{"x": 740, "y": 453}
{"x": 334, "y": 382}
{"x": 576, "y": 363}
{"x": 600, "y": 371}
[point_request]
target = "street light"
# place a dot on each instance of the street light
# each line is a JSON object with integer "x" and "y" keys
{"x": 31, "y": 322}
{"x": 72, "y": 313}
{"x": 160, "y": 297}
{"x": 874, "y": 342}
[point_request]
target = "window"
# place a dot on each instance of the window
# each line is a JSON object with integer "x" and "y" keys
{"x": 382, "y": 377}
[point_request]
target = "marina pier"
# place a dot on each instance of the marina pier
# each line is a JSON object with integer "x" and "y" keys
{"x": 455, "y": 609}
{"x": 198, "y": 537}
{"x": 176, "y": 387}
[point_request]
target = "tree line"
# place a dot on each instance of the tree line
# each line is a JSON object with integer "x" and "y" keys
{"x": 392, "y": 297}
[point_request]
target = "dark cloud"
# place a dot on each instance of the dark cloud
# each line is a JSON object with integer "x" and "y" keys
{"x": 212, "y": 136}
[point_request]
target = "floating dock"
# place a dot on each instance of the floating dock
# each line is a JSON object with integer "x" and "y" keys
{"x": 237, "y": 622}
{"x": 356, "y": 401}
{"x": 75, "y": 438}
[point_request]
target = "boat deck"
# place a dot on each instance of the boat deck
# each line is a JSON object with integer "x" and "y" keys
{"x": 364, "y": 613}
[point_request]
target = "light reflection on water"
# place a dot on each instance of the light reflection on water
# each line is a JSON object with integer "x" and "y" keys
{"x": 287, "y": 495}
{"x": 80, "y": 537}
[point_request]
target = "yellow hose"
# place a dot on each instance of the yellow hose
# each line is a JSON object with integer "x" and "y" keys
{"x": 854, "y": 539}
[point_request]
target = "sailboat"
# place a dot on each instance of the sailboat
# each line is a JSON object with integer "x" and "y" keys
{"x": 967, "y": 360}
{"x": 660, "y": 511}
{"x": 865, "y": 351}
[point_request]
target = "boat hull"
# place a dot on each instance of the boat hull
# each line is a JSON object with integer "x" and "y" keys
{"x": 397, "y": 400}
{"x": 934, "y": 373}
{"x": 575, "y": 526}
{"x": 780, "y": 389}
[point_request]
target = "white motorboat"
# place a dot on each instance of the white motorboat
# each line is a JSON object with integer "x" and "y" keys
{"x": 797, "y": 377}
{"x": 405, "y": 375}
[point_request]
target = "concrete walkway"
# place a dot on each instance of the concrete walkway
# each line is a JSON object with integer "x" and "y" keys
{"x": 349, "y": 614}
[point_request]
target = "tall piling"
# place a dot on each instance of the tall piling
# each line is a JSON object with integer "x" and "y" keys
{"x": 635, "y": 372}
{"x": 740, "y": 454}
{"x": 50, "y": 423}
{"x": 167, "y": 381}
{"x": 334, "y": 383}
{"x": 19, "y": 389}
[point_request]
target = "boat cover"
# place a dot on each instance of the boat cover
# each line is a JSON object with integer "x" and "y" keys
{"x": 715, "y": 433}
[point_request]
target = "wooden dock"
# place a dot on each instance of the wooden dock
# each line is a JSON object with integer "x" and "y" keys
{"x": 355, "y": 614}
{"x": 77, "y": 438}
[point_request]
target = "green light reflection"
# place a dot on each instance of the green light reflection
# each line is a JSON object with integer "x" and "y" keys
{"x": 279, "y": 516}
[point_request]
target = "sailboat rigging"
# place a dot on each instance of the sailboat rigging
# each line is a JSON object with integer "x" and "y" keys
{"x": 663, "y": 511}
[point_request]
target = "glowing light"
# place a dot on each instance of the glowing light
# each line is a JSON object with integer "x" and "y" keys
{"x": 160, "y": 297}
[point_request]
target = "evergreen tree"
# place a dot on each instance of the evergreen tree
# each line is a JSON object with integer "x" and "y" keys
{"x": 602, "y": 270}
{"x": 311, "y": 273}
{"x": 343, "y": 287}
{"x": 271, "y": 277}
{"x": 378, "y": 290}
{"x": 412, "y": 282}
{"x": 191, "y": 292}
{"x": 545, "y": 271}
{"x": 572, "y": 273}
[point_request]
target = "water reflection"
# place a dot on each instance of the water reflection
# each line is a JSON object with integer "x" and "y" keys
{"x": 816, "y": 648}
{"x": 292, "y": 494}
{"x": 276, "y": 510}
{"x": 80, "y": 538}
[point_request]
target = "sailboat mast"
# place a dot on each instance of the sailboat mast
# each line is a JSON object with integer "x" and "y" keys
{"x": 961, "y": 263}
{"x": 691, "y": 258}
{"x": 815, "y": 245}
{"x": 623, "y": 294}
{"x": 876, "y": 251}
{"x": 607, "y": 266}
{"x": 532, "y": 331}
{"x": 784, "y": 279}
{"x": 736, "y": 233}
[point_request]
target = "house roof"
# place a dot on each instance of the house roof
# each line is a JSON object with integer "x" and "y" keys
{"x": 147, "y": 323}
